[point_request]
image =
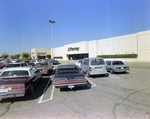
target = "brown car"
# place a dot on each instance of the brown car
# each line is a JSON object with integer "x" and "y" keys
{"x": 15, "y": 82}
{"x": 44, "y": 67}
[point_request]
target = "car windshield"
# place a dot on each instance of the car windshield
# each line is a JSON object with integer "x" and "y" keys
{"x": 41, "y": 64}
{"x": 14, "y": 73}
{"x": 117, "y": 63}
{"x": 97, "y": 61}
{"x": 67, "y": 69}
{"x": 12, "y": 65}
{"x": 80, "y": 61}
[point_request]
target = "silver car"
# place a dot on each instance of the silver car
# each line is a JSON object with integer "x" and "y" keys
{"x": 94, "y": 66}
{"x": 116, "y": 66}
{"x": 78, "y": 63}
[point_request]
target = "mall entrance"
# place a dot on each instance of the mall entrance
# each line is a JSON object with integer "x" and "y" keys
{"x": 77, "y": 56}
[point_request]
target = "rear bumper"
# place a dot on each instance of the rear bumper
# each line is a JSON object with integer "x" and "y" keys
{"x": 121, "y": 70}
{"x": 11, "y": 95}
{"x": 66, "y": 85}
{"x": 99, "y": 73}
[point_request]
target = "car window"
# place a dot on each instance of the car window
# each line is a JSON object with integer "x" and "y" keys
{"x": 14, "y": 73}
{"x": 41, "y": 64}
{"x": 12, "y": 65}
{"x": 117, "y": 63}
{"x": 22, "y": 65}
{"x": 25, "y": 64}
{"x": 108, "y": 63}
{"x": 97, "y": 61}
{"x": 67, "y": 69}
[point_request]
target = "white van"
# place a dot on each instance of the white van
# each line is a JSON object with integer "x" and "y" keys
{"x": 94, "y": 66}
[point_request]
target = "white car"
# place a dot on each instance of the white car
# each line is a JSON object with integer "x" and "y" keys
{"x": 78, "y": 63}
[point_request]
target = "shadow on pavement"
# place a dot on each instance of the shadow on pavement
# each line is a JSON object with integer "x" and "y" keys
{"x": 86, "y": 87}
{"x": 38, "y": 91}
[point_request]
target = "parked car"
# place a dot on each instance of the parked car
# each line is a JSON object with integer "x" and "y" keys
{"x": 44, "y": 67}
{"x": 19, "y": 64}
{"x": 5, "y": 62}
{"x": 69, "y": 76}
{"x": 16, "y": 82}
{"x": 78, "y": 63}
{"x": 29, "y": 63}
{"x": 116, "y": 66}
{"x": 94, "y": 66}
{"x": 12, "y": 65}
{"x": 53, "y": 61}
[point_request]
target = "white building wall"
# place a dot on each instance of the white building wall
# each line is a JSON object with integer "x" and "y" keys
{"x": 58, "y": 51}
{"x": 144, "y": 46}
{"x": 83, "y": 48}
{"x": 103, "y": 47}
{"x": 138, "y": 43}
{"x": 35, "y": 51}
{"x": 93, "y": 48}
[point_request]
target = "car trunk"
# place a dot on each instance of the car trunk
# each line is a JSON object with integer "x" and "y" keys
{"x": 71, "y": 77}
{"x": 10, "y": 85}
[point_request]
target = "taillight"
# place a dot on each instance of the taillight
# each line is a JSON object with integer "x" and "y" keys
{"x": 14, "y": 88}
{"x": 17, "y": 87}
{"x": 127, "y": 67}
{"x": 106, "y": 67}
{"x": 60, "y": 80}
{"x": 44, "y": 70}
{"x": 90, "y": 68}
{"x": 80, "y": 79}
{"x": 117, "y": 67}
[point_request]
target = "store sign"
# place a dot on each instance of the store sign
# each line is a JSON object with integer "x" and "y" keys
{"x": 73, "y": 49}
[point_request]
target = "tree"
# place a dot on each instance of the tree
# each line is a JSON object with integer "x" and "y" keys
{"x": 4, "y": 55}
{"x": 25, "y": 55}
{"x": 12, "y": 56}
{"x": 16, "y": 56}
{"x": 48, "y": 56}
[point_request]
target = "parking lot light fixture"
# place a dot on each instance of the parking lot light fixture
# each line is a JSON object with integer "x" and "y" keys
{"x": 50, "y": 21}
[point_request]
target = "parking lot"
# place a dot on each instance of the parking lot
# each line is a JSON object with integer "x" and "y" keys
{"x": 117, "y": 96}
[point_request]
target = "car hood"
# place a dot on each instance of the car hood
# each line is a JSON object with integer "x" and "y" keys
{"x": 69, "y": 75}
{"x": 11, "y": 80}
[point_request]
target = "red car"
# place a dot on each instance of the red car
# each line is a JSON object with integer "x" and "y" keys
{"x": 44, "y": 67}
{"x": 16, "y": 82}
{"x": 5, "y": 63}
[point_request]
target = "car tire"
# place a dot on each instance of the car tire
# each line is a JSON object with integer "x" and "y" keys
{"x": 87, "y": 74}
{"x": 32, "y": 89}
{"x": 111, "y": 71}
{"x": 82, "y": 71}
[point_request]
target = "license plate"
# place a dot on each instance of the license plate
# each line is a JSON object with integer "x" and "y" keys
{"x": 3, "y": 90}
{"x": 98, "y": 67}
{"x": 71, "y": 86}
{"x": 122, "y": 67}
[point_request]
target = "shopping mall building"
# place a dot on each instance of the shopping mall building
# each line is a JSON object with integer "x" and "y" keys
{"x": 138, "y": 43}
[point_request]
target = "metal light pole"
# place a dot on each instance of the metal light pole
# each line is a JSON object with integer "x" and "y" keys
{"x": 50, "y": 21}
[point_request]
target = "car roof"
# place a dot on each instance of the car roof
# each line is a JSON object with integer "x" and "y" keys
{"x": 63, "y": 65}
{"x": 17, "y": 63}
{"x": 17, "y": 68}
{"x": 113, "y": 60}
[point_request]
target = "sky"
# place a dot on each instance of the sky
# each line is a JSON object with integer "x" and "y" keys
{"x": 24, "y": 24}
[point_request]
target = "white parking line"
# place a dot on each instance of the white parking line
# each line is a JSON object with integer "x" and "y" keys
{"x": 113, "y": 76}
{"x": 93, "y": 84}
{"x": 51, "y": 97}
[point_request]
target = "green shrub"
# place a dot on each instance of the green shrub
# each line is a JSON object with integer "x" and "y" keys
{"x": 119, "y": 56}
{"x": 59, "y": 57}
